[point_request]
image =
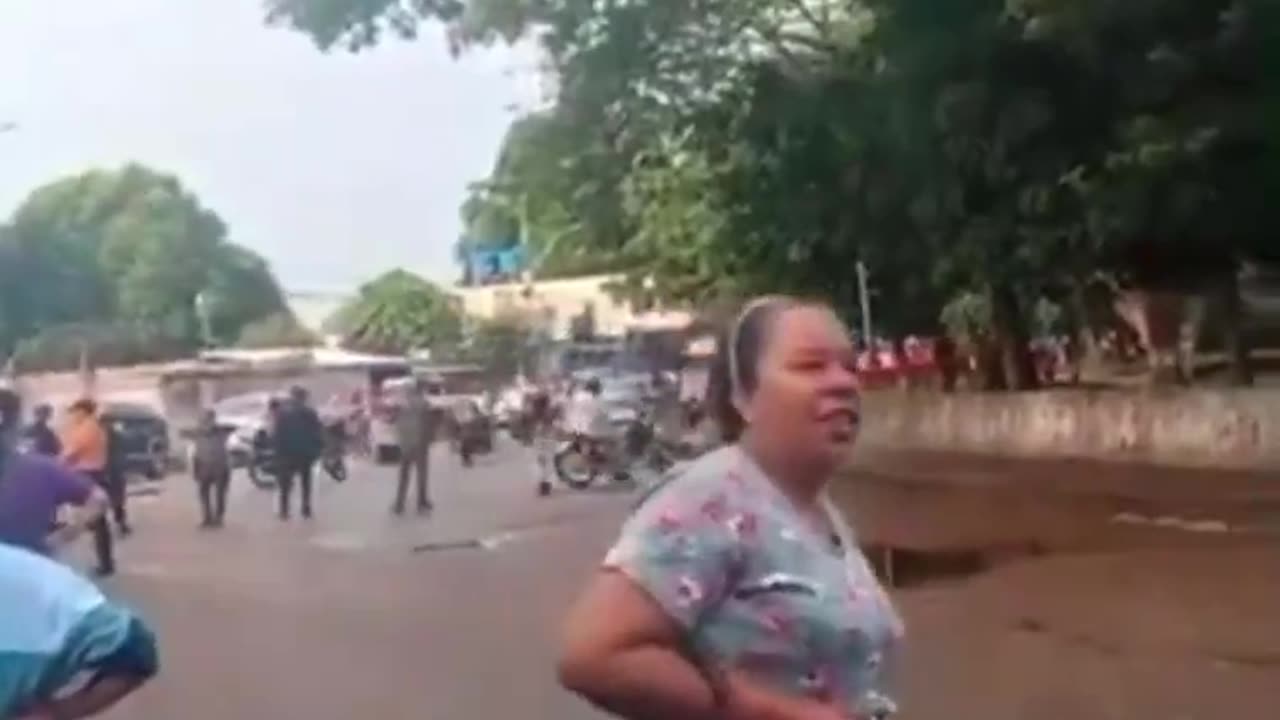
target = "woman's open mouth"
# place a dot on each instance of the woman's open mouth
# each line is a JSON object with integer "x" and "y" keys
{"x": 841, "y": 424}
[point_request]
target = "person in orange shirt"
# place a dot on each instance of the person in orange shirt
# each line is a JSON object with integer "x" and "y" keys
{"x": 85, "y": 450}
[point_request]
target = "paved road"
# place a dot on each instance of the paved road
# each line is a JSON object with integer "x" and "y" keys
{"x": 353, "y": 614}
{"x": 356, "y": 614}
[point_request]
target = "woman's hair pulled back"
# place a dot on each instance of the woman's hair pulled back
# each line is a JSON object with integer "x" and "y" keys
{"x": 735, "y": 368}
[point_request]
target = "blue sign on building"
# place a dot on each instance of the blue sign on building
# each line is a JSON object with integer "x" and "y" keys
{"x": 493, "y": 266}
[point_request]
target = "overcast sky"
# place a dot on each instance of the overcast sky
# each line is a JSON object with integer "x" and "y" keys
{"x": 335, "y": 167}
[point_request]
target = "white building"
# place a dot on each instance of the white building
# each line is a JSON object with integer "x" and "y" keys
{"x": 554, "y": 304}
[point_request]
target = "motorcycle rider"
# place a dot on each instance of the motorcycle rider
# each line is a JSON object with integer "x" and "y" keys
{"x": 587, "y": 420}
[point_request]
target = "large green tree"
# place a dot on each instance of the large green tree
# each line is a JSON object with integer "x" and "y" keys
{"x": 1008, "y": 149}
{"x": 399, "y": 312}
{"x": 129, "y": 247}
{"x": 550, "y": 191}
{"x": 241, "y": 290}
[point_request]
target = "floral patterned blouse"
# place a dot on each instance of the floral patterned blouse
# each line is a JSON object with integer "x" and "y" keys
{"x": 761, "y": 589}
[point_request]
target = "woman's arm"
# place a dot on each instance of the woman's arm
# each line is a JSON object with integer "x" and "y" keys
{"x": 122, "y": 670}
{"x": 90, "y": 700}
{"x": 621, "y": 652}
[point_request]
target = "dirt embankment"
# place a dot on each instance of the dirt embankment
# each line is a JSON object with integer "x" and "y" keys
{"x": 1073, "y": 590}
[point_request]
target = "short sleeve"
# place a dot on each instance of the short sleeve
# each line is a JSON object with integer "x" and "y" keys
{"x": 679, "y": 548}
{"x": 111, "y": 639}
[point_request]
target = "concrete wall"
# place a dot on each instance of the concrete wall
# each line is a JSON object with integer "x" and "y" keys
{"x": 133, "y": 385}
{"x": 182, "y": 398}
{"x": 1210, "y": 428}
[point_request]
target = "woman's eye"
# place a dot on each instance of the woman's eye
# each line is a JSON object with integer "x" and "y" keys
{"x": 809, "y": 365}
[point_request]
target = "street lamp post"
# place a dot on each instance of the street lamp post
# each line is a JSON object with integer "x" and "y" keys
{"x": 864, "y": 299}
{"x": 202, "y": 316}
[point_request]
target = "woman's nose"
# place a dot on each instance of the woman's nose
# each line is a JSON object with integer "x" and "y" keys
{"x": 839, "y": 378}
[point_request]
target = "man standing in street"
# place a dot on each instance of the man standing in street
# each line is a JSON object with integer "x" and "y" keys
{"x": 85, "y": 450}
{"x": 299, "y": 439}
{"x": 211, "y": 466}
{"x": 415, "y": 430}
{"x": 39, "y": 437}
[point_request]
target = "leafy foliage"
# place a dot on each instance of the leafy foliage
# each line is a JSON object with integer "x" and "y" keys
{"x": 1004, "y": 149}
{"x": 279, "y": 330}
{"x": 60, "y": 347}
{"x": 399, "y": 312}
{"x": 549, "y": 192}
{"x": 129, "y": 248}
{"x": 501, "y": 346}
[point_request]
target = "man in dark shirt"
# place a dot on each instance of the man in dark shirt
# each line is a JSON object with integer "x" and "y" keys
{"x": 39, "y": 437}
{"x": 299, "y": 439}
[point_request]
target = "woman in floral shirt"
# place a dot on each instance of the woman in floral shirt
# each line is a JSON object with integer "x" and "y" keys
{"x": 737, "y": 591}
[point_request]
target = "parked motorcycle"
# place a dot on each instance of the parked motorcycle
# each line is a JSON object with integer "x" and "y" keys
{"x": 334, "y": 465}
{"x": 333, "y": 458}
{"x": 263, "y": 469}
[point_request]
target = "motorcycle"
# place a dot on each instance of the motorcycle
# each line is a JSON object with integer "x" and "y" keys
{"x": 333, "y": 456}
{"x": 334, "y": 465}
{"x": 579, "y": 461}
{"x": 262, "y": 467}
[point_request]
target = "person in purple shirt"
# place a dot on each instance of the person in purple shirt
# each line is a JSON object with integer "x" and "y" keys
{"x": 33, "y": 488}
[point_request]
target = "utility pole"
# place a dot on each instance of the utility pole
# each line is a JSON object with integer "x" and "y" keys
{"x": 864, "y": 299}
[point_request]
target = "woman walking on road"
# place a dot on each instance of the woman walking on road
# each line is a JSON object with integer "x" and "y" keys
{"x": 736, "y": 590}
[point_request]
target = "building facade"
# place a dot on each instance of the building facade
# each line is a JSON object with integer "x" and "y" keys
{"x": 552, "y": 305}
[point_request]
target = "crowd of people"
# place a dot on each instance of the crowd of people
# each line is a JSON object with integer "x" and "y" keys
{"x": 736, "y": 589}
{"x": 57, "y": 626}
{"x": 80, "y": 467}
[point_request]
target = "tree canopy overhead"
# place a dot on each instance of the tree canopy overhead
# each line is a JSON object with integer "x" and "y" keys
{"x": 1016, "y": 149}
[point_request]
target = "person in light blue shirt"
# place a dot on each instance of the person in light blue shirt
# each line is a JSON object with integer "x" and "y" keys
{"x": 56, "y": 627}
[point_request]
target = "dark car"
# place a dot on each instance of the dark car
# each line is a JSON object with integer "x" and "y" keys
{"x": 139, "y": 439}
